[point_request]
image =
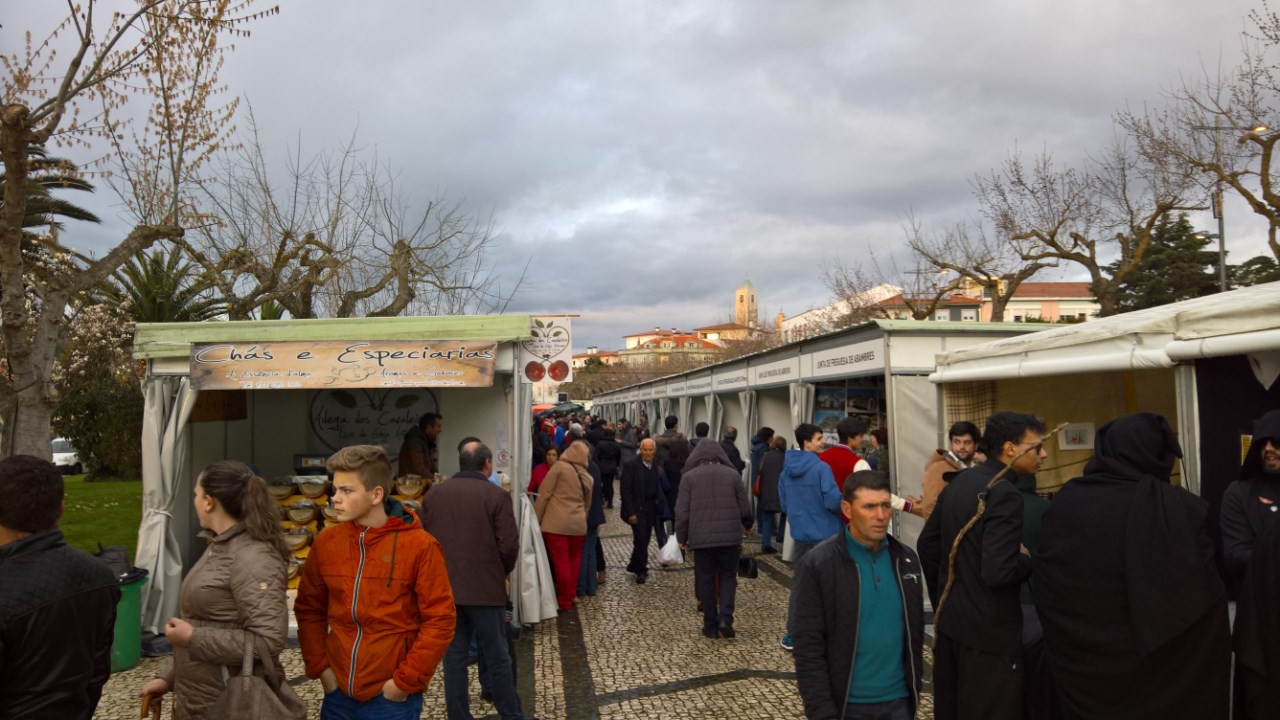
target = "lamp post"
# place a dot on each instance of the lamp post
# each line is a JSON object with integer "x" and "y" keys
{"x": 1222, "y": 251}
{"x": 1216, "y": 197}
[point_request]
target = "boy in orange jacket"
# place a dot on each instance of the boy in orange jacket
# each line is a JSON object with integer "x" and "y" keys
{"x": 375, "y": 611}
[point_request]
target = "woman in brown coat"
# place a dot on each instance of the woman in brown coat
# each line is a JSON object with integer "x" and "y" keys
{"x": 561, "y": 507}
{"x": 238, "y": 585}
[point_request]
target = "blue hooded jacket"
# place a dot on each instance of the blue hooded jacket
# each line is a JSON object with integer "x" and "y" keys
{"x": 809, "y": 497}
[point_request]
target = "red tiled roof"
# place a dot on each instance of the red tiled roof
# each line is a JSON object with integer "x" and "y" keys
{"x": 598, "y": 353}
{"x": 898, "y": 301}
{"x": 723, "y": 326}
{"x": 660, "y": 333}
{"x": 1073, "y": 290}
{"x": 680, "y": 341}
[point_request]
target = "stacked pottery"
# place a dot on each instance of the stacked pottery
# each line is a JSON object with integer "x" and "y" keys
{"x": 409, "y": 491}
{"x": 304, "y": 506}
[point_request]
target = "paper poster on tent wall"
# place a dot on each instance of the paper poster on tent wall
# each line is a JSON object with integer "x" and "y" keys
{"x": 1076, "y": 436}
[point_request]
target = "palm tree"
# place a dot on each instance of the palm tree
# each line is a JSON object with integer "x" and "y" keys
{"x": 47, "y": 175}
{"x": 161, "y": 285}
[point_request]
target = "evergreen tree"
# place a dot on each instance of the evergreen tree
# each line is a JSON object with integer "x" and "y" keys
{"x": 1177, "y": 266}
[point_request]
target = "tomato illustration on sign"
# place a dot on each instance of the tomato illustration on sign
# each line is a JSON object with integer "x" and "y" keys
{"x": 559, "y": 370}
{"x": 534, "y": 371}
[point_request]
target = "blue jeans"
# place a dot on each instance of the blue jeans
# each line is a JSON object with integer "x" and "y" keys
{"x": 488, "y": 625}
{"x": 764, "y": 523}
{"x": 337, "y": 706}
{"x": 588, "y": 579}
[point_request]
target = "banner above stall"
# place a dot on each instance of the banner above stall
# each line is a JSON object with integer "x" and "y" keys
{"x": 366, "y": 364}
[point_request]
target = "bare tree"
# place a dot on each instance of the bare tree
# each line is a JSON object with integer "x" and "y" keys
{"x": 337, "y": 238}
{"x": 998, "y": 265}
{"x": 1214, "y": 126}
{"x": 1101, "y": 213}
{"x": 77, "y": 87}
{"x": 863, "y": 289}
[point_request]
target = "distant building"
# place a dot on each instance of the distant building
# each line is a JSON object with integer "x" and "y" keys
{"x": 951, "y": 308}
{"x": 746, "y": 306}
{"x": 685, "y": 349}
{"x": 1050, "y": 301}
{"x": 635, "y": 340}
{"x": 728, "y": 333}
{"x": 606, "y": 357}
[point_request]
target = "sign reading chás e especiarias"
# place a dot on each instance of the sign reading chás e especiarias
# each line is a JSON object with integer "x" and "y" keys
{"x": 360, "y": 364}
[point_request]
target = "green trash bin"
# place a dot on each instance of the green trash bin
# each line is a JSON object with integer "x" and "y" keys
{"x": 126, "y": 645}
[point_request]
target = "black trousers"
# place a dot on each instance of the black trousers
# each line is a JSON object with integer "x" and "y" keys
{"x": 608, "y": 486}
{"x": 647, "y": 523}
{"x": 969, "y": 683}
{"x": 716, "y": 569}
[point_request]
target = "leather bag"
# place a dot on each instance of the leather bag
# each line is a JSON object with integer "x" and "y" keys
{"x": 250, "y": 697}
{"x": 748, "y": 567}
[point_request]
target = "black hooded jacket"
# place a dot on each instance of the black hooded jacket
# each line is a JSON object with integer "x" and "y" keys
{"x": 1253, "y": 557}
{"x": 1251, "y": 503}
{"x": 1133, "y": 610}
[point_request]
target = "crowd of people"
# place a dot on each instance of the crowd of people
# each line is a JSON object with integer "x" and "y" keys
{"x": 1105, "y": 602}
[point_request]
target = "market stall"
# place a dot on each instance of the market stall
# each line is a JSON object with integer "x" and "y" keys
{"x": 283, "y": 395}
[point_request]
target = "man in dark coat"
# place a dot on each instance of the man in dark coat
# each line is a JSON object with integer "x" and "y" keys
{"x": 978, "y": 653}
{"x": 1251, "y": 548}
{"x": 643, "y": 505}
{"x": 57, "y": 604}
{"x": 609, "y": 456}
{"x": 673, "y": 451}
{"x": 419, "y": 453}
{"x": 730, "y": 445}
{"x": 476, "y": 526}
{"x": 859, "y": 625}
{"x": 1133, "y": 610}
{"x": 712, "y": 514}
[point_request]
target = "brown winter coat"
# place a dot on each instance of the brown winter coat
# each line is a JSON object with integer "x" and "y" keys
{"x": 565, "y": 494}
{"x": 473, "y": 520}
{"x": 238, "y": 584}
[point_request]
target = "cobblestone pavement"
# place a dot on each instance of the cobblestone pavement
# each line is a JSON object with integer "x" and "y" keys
{"x": 632, "y": 651}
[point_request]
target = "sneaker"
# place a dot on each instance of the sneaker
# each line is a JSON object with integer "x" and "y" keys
{"x": 641, "y": 578}
{"x": 726, "y": 630}
{"x": 786, "y": 643}
{"x": 712, "y": 633}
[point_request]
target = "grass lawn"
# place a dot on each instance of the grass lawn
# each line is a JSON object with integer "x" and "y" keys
{"x": 107, "y": 512}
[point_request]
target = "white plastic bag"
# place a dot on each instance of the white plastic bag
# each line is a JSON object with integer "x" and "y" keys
{"x": 670, "y": 553}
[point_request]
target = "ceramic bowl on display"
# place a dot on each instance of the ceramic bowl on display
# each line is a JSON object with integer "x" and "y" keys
{"x": 410, "y": 486}
{"x": 298, "y": 538}
{"x": 330, "y": 512}
{"x": 314, "y": 488}
{"x": 280, "y": 489}
{"x": 295, "y": 567}
{"x": 303, "y": 511}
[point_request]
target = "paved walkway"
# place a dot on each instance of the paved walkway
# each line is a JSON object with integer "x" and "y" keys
{"x": 632, "y": 651}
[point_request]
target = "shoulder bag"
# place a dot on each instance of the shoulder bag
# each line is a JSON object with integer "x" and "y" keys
{"x": 249, "y": 697}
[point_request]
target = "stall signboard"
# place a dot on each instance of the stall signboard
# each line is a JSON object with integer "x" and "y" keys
{"x": 676, "y": 388}
{"x": 731, "y": 379}
{"x": 698, "y": 386}
{"x": 302, "y": 365}
{"x": 547, "y": 356}
{"x": 849, "y": 360}
{"x": 780, "y": 372}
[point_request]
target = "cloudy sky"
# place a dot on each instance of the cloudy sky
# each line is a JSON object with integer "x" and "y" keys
{"x": 645, "y": 157}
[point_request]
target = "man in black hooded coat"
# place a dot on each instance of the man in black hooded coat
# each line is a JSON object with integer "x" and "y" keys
{"x": 1251, "y": 548}
{"x": 1133, "y": 609}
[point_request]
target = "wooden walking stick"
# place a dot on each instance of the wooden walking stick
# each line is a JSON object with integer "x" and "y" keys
{"x": 982, "y": 509}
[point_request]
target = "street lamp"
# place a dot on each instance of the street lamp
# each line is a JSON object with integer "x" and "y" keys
{"x": 1222, "y": 250}
{"x": 1256, "y": 129}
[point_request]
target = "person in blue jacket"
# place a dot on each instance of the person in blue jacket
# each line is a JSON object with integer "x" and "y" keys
{"x": 810, "y": 497}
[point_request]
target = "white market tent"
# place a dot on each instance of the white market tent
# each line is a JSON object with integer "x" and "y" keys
{"x": 268, "y": 424}
{"x": 1210, "y": 365}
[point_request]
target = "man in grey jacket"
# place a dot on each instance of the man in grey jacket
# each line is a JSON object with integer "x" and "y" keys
{"x": 712, "y": 516}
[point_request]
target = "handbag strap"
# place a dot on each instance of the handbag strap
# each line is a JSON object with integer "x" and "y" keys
{"x": 270, "y": 672}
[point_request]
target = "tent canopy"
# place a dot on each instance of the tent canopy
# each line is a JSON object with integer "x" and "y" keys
{"x": 1232, "y": 323}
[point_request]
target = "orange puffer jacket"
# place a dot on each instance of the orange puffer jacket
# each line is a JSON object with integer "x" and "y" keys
{"x": 375, "y": 603}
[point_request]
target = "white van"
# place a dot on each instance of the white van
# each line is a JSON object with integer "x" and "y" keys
{"x": 66, "y": 457}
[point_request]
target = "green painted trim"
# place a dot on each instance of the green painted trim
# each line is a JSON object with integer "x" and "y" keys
{"x": 168, "y": 340}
